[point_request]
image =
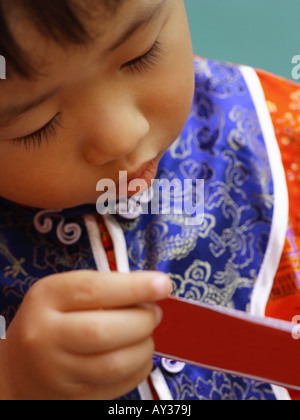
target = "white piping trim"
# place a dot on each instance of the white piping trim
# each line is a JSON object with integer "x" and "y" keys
{"x": 281, "y": 394}
{"x": 264, "y": 283}
{"x": 102, "y": 264}
{"x": 161, "y": 385}
{"x": 279, "y": 227}
{"x": 145, "y": 391}
{"x": 96, "y": 243}
{"x": 119, "y": 242}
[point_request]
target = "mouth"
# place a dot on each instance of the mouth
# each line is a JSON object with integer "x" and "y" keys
{"x": 139, "y": 174}
{"x": 146, "y": 173}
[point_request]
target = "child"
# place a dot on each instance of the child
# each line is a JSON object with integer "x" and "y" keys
{"x": 95, "y": 88}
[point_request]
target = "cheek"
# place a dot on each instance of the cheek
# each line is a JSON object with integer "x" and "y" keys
{"x": 180, "y": 94}
{"x": 20, "y": 179}
{"x": 173, "y": 87}
{"x": 32, "y": 177}
{"x": 172, "y": 101}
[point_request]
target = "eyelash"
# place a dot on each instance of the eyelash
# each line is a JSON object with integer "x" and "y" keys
{"x": 36, "y": 139}
{"x": 141, "y": 64}
{"x": 148, "y": 60}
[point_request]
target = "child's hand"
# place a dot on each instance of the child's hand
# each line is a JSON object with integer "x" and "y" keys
{"x": 83, "y": 335}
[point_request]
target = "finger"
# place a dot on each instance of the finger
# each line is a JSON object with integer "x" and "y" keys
{"x": 91, "y": 290}
{"x": 103, "y": 331}
{"x": 110, "y": 392}
{"x": 110, "y": 368}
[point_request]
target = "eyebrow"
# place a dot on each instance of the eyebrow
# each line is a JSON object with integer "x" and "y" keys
{"x": 15, "y": 111}
{"x": 143, "y": 19}
{"x": 8, "y": 115}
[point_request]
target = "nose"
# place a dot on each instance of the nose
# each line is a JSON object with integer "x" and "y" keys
{"x": 114, "y": 130}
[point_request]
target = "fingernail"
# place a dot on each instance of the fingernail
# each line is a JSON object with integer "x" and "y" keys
{"x": 162, "y": 285}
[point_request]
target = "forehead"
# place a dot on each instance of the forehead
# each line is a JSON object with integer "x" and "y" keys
{"x": 56, "y": 66}
{"x": 69, "y": 23}
{"x": 59, "y": 17}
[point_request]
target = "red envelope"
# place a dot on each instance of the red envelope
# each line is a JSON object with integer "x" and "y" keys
{"x": 230, "y": 341}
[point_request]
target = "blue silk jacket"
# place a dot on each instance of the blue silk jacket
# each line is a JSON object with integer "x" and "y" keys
{"x": 218, "y": 262}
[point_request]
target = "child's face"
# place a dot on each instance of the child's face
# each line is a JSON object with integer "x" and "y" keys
{"x": 110, "y": 113}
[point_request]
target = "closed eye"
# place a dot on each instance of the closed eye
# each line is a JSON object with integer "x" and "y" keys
{"x": 148, "y": 60}
{"x": 37, "y": 138}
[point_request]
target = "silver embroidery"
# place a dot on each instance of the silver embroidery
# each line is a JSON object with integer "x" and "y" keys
{"x": 67, "y": 234}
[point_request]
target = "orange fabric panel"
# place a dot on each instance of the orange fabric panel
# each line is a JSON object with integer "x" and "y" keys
{"x": 107, "y": 243}
{"x": 283, "y": 99}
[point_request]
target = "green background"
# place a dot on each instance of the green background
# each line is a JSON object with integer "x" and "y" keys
{"x": 261, "y": 33}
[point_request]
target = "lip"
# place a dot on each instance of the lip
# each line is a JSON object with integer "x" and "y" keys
{"x": 139, "y": 174}
{"x": 147, "y": 172}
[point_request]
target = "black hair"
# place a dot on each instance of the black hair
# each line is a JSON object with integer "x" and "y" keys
{"x": 63, "y": 21}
